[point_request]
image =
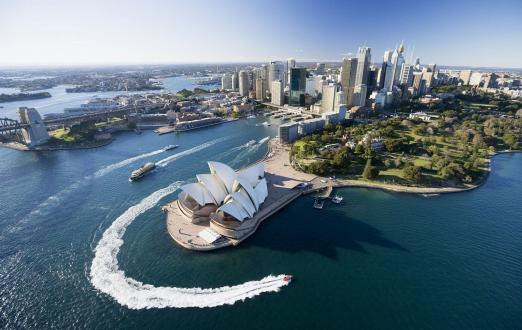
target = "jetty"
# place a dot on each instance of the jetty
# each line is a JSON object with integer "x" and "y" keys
{"x": 283, "y": 183}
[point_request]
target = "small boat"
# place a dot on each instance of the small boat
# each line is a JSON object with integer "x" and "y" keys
{"x": 337, "y": 199}
{"x": 318, "y": 203}
{"x": 251, "y": 117}
{"x": 287, "y": 278}
{"x": 140, "y": 172}
{"x": 251, "y": 143}
{"x": 170, "y": 147}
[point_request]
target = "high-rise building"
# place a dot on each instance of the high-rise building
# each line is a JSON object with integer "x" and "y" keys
{"x": 297, "y": 83}
{"x": 428, "y": 79}
{"x": 235, "y": 81}
{"x": 275, "y": 72}
{"x": 418, "y": 83}
{"x": 328, "y": 98}
{"x": 465, "y": 76}
{"x": 407, "y": 75}
{"x": 348, "y": 76}
{"x": 320, "y": 68}
{"x": 490, "y": 81}
{"x": 226, "y": 81}
{"x": 278, "y": 97}
{"x": 290, "y": 63}
{"x": 288, "y": 132}
{"x": 475, "y": 79}
{"x": 243, "y": 83}
{"x": 363, "y": 66}
{"x": 260, "y": 89}
{"x": 359, "y": 95}
{"x": 35, "y": 133}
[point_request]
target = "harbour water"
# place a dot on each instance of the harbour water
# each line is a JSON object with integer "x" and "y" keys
{"x": 60, "y": 99}
{"x": 379, "y": 260}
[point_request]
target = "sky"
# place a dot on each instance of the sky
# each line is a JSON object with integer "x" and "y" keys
{"x": 71, "y": 32}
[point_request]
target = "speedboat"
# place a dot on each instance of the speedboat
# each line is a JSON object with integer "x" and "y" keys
{"x": 251, "y": 143}
{"x": 170, "y": 147}
{"x": 337, "y": 199}
{"x": 251, "y": 117}
{"x": 287, "y": 278}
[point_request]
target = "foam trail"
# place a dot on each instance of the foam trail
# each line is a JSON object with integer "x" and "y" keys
{"x": 165, "y": 161}
{"x": 263, "y": 140}
{"x": 106, "y": 276}
{"x": 125, "y": 162}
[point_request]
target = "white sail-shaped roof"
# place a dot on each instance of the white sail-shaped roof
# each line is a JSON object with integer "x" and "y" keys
{"x": 234, "y": 209}
{"x": 241, "y": 182}
{"x": 253, "y": 173}
{"x": 199, "y": 193}
{"x": 214, "y": 185}
{"x": 241, "y": 197}
{"x": 261, "y": 191}
{"x": 224, "y": 172}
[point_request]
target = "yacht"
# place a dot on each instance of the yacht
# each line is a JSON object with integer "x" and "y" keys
{"x": 140, "y": 172}
{"x": 337, "y": 199}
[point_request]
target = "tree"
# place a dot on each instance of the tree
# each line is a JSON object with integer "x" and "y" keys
{"x": 412, "y": 172}
{"x": 478, "y": 141}
{"x": 342, "y": 157}
{"x": 510, "y": 139}
{"x": 359, "y": 149}
{"x": 370, "y": 172}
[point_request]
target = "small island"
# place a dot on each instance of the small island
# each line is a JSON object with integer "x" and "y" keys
{"x": 23, "y": 96}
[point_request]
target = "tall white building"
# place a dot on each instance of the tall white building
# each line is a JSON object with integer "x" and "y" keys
{"x": 328, "y": 99}
{"x": 243, "y": 83}
{"x": 363, "y": 65}
{"x": 407, "y": 75}
{"x": 226, "y": 81}
{"x": 278, "y": 96}
{"x": 290, "y": 63}
{"x": 359, "y": 95}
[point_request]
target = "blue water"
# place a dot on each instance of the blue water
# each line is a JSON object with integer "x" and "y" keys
{"x": 380, "y": 261}
{"x": 61, "y": 100}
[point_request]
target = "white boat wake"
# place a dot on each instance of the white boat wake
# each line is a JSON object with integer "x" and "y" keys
{"x": 108, "y": 278}
{"x": 165, "y": 161}
{"x": 125, "y": 162}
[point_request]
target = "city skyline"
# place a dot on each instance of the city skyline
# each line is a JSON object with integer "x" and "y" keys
{"x": 159, "y": 32}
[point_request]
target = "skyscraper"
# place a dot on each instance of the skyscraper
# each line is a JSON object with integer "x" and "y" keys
{"x": 243, "y": 83}
{"x": 348, "y": 75}
{"x": 235, "y": 81}
{"x": 275, "y": 72}
{"x": 407, "y": 75}
{"x": 297, "y": 83}
{"x": 278, "y": 97}
{"x": 226, "y": 81}
{"x": 363, "y": 66}
{"x": 290, "y": 63}
{"x": 260, "y": 89}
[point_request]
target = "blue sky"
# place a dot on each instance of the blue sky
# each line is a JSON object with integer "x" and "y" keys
{"x": 475, "y": 33}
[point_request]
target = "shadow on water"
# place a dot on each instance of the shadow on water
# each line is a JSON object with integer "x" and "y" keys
{"x": 300, "y": 228}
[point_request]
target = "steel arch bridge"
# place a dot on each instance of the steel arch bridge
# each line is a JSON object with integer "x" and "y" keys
{"x": 11, "y": 130}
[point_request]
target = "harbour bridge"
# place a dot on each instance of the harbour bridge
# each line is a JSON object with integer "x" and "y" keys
{"x": 11, "y": 130}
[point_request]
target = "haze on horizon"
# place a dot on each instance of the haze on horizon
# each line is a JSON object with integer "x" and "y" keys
{"x": 60, "y": 32}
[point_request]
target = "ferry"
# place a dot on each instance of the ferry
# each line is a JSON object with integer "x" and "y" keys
{"x": 170, "y": 147}
{"x": 140, "y": 172}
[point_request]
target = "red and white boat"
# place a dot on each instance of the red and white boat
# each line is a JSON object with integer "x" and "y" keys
{"x": 287, "y": 278}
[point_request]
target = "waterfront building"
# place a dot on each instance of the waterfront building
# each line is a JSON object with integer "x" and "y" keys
{"x": 277, "y": 92}
{"x": 243, "y": 83}
{"x": 331, "y": 118}
{"x": 310, "y": 126}
{"x": 275, "y": 73}
{"x": 297, "y": 84}
{"x": 35, "y": 133}
{"x": 260, "y": 89}
{"x": 328, "y": 98}
{"x": 348, "y": 77}
{"x": 226, "y": 81}
{"x": 288, "y": 132}
{"x": 465, "y": 76}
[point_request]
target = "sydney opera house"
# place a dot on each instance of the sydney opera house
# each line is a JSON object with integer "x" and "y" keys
{"x": 223, "y": 201}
